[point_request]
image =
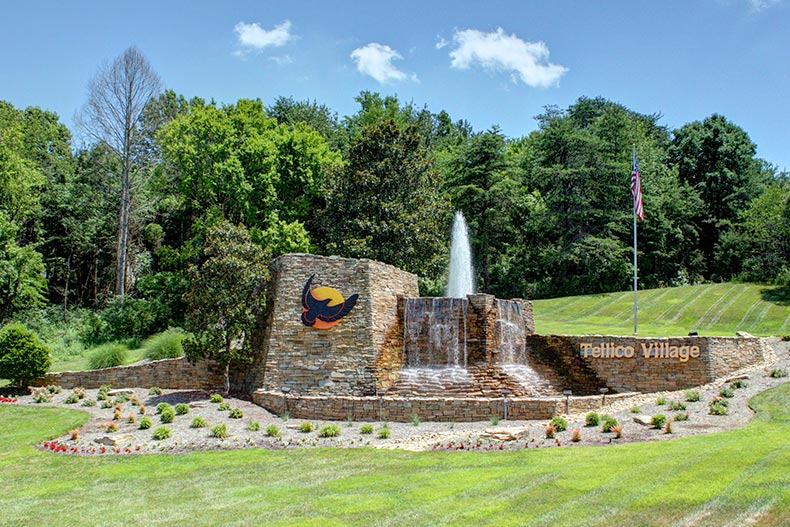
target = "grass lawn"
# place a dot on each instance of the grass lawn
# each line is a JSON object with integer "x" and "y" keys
{"x": 710, "y": 309}
{"x": 734, "y": 478}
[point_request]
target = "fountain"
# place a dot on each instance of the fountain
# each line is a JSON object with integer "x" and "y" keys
{"x": 460, "y": 280}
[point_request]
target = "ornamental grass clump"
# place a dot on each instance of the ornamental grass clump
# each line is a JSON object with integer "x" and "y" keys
{"x": 108, "y": 355}
{"x": 167, "y": 415}
{"x": 384, "y": 432}
{"x": 223, "y": 406}
{"x": 727, "y": 392}
{"x": 165, "y": 345}
{"x": 199, "y": 422}
{"x": 693, "y": 396}
{"x": 216, "y": 398}
{"x": 306, "y": 427}
{"x": 145, "y": 423}
{"x": 219, "y": 431}
{"x": 235, "y": 413}
{"x": 162, "y": 432}
{"x": 329, "y": 431}
{"x": 253, "y": 426}
{"x": 155, "y": 390}
{"x": 366, "y": 429}
{"x": 182, "y": 409}
{"x": 658, "y": 420}
{"x": 608, "y": 423}
{"x": 677, "y": 405}
{"x": 739, "y": 383}
{"x": 273, "y": 431}
{"x": 592, "y": 419}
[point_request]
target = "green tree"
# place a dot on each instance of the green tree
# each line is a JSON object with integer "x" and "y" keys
{"x": 23, "y": 357}
{"x": 762, "y": 237}
{"x": 22, "y": 279}
{"x": 226, "y": 297}
{"x": 386, "y": 204}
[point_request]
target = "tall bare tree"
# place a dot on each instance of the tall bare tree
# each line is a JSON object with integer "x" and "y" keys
{"x": 117, "y": 96}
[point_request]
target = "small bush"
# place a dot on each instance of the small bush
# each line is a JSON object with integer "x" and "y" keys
{"x": 366, "y": 429}
{"x": 677, "y": 405}
{"x": 111, "y": 427}
{"x": 155, "y": 390}
{"x": 167, "y": 415}
{"x": 681, "y": 416}
{"x": 41, "y": 395}
{"x": 273, "y": 431}
{"x": 104, "y": 389}
{"x": 739, "y": 383}
{"x": 145, "y": 423}
{"x": 254, "y": 426}
{"x": 106, "y": 403}
{"x": 592, "y": 419}
{"x": 415, "y": 419}
{"x": 122, "y": 398}
{"x": 576, "y": 435}
{"x": 235, "y": 413}
{"x": 73, "y": 398}
{"x": 636, "y": 410}
{"x": 494, "y": 420}
{"x": 224, "y": 405}
{"x": 165, "y": 345}
{"x": 727, "y": 392}
{"x": 786, "y": 338}
{"x": 777, "y": 373}
{"x": 53, "y": 388}
{"x": 329, "y": 431}
{"x": 720, "y": 401}
{"x": 219, "y": 431}
{"x": 285, "y": 416}
{"x": 661, "y": 401}
{"x": 162, "y": 432}
{"x": 89, "y": 402}
{"x": 306, "y": 427}
{"x": 658, "y": 420}
{"x": 384, "y": 432}
{"x": 559, "y": 423}
{"x": 108, "y": 356}
{"x": 216, "y": 398}
{"x": 162, "y": 406}
{"x": 717, "y": 409}
{"x": 23, "y": 357}
{"x": 608, "y": 422}
{"x": 199, "y": 422}
{"x": 182, "y": 409}
{"x": 80, "y": 392}
{"x": 692, "y": 396}
{"x": 551, "y": 431}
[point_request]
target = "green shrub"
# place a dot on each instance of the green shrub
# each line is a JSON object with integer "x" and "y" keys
{"x": 272, "y": 431}
{"x": 692, "y": 396}
{"x": 104, "y": 389}
{"x": 681, "y": 416}
{"x": 677, "y": 405}
{"x": 199, "y": 422}
{"x": 415, "y": 419}
{"x": 23, "y": 357}
{"x": 494, "y": 420}
{"x": 145, "y": 423}
{"x": 235, "y": 413}
{"x": 41, "y": 395}
{"x": 125, "y": 318}
{"x": 155, "y": 390}
{"x": 182, "y": 409}
{"x": 106, "y": 403}
{"x": 285, "y": 416}
{"x": 592, "y": 419}
{"x": 658, "y": 420}
{"x": 786, "y": 338}
{"x": 89, "y": 402}
{"x": 717, "y": 409}
{"x": 167, "y": 415}
{"x": 162, "y": 406}
{"x": 73, "y": 398}
{"x": 53, "y": 388}
{"x": 739, "y": 383}
{"x": 122, "y": 398}
{"x": 559, "y": 423}
{"x": 777, "y": 373}
{"x": 366, "y": 429}
{"x": 219, "y": 431}
{"x": 661, "y": 401}
{"x": 108, "y": 356}
{"x": 329, "y": 431}
{"x": 165, "y": 345}
{"x": 224, "y": 405}
{"x": 636, "y": 410}
{"x": 306, "y": 427}
{"x": 727, "y": 392}
{"x": 254, "y": 426}
{"x": 216, "y": 398}
{"x": 162, "y": 432}
{"x": 608, "y": 422}
{"x": 384, "y": 432}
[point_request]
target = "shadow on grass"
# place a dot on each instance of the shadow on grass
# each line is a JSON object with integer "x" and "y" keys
{"x": 777, "y": 295}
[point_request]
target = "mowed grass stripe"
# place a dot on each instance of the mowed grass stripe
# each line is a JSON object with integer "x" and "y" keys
{"x": 720, "y": 309}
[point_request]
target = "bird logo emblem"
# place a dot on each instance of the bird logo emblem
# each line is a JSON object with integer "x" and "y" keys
{"x": 324, "y": 306}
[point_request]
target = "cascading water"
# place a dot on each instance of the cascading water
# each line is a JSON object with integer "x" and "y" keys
{"x": 511, "y": 332}
{"x": 460, "y": 281}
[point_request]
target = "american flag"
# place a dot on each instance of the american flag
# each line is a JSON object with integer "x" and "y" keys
{"x": 636, "y": 191}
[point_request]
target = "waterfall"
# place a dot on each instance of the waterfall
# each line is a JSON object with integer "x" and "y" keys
{"x": 460, "y": 281}
{"x": 511, "y": 332}
{"x": 434, "y": 332}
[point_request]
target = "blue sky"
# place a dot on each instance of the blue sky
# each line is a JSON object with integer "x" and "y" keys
{"x": 491, "y": 62}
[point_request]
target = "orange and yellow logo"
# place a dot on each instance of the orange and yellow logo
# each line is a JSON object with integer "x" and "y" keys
{"x": 324, "y": 306}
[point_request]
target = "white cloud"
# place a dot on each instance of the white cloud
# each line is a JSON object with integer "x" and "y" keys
{"x": 254, "y": 38}
{"x": 759, "y": 5}
{"x": 440, "y": 42}
{"x": 375, "y": 59}
{"x": 526, "y": 61}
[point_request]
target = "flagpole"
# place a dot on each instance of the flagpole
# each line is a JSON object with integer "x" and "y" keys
{"x": 635, "y": 301}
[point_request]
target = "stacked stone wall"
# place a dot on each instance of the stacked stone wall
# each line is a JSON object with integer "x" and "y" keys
{"x": 176, "y": 374}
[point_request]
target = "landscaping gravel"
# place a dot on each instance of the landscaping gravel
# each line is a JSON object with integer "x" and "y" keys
{"x": 94, "y": 438}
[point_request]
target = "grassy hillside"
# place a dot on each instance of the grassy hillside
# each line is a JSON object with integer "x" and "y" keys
{"x": 711, "y": 309}
{"x": 723, "y": 479}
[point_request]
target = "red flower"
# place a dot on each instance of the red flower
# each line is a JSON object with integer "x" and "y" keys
{"x": 103, "y": 449}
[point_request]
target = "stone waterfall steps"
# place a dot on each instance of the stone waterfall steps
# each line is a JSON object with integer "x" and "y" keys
{"x": 476, "y": 381}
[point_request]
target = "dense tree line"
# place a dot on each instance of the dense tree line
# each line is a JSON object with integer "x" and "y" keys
{"x": 550, "y": 213}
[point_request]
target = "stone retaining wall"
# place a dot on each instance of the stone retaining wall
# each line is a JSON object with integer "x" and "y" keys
{"x": 400, "y": 409}
{"x": 175, "y": 374}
